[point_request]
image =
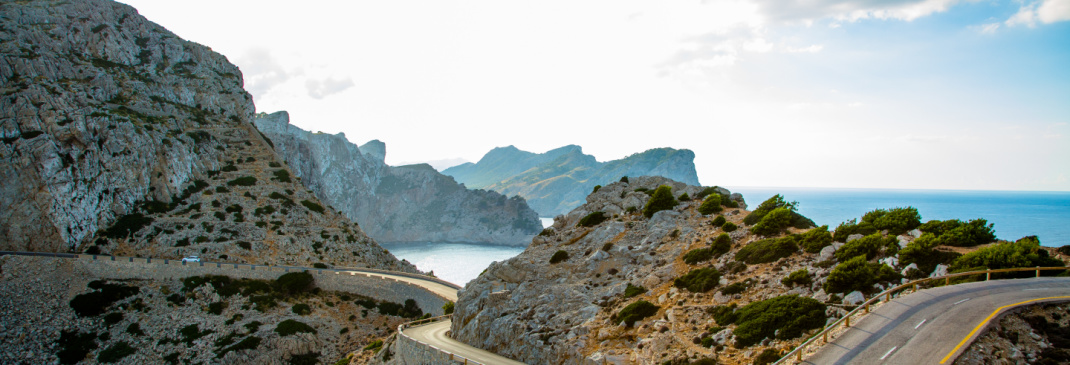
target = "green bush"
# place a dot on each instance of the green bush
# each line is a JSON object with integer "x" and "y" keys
{"x": 408, "y": 310}
{"x": 858, "y": 274}
{"x": 636, "y": 312}
{"x": 592, "y": 219}
{"x": 596, "y": 188}
{"x": 724, "y": 314}
{"x": 956, "y": 233}
{"x": 922, "y": 251}
{"x": 249, "y": 343}
{"x": 192, "y": 333}
{"x": 776, "y": 201}
{"x": 1065, "y": 250}
{"x": 74, "y": 346}
{"x": 815, "y": 239}
{"x": 96, "y": 302}
{"x": 294, "y": 283}
{"x": 729, "y": 227}
{"x": 115, "y": 352}
{"x": 871, "y": 246}
{"x": 282, "y": 175}
{"x": 559, "y": 256}
{"x": 661, "y": 200}
{"x": 289, "y": 327}
{"x": 301, "y": 309}
{"x": 767, "y": 250}
{"x": 784, "y": 317}
{"x": 135, "y": 329}
{"x": 633, "y": 290}
{"x": 699, "y": 280}
{"x": 546, "y": 232}
{"x": 718, "y": 221}
{"x": 773, "y": 223}
{"x": 684, "y": 197}
{"x": 698, "y": 255}
{"x": 711, "y": 205}
{"x": 217, "y": 308}
{"x": 721, "y": 245}
{"x": 797, "y": 277}
{"x": 850, "y": 227}
{"x": 734, "y": 267}
{"x": 374, "y": 346}
{"x": 313, "y": 206}
{"x": 897, "y": 220}
{"x": 242, "y": 181}
{"x": 113, "y": 318}
{"x": 736, "y": 287}
{"x": 1026, "y": 252}
{"x": 127, "y": 225}
{"x": 311, "y": 358}
{"x": 447, "y": 308}
{"x": 768, "y": 356}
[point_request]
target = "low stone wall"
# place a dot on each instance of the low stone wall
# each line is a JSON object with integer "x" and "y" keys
{"x": 370, "y": 285}
{"x": 411, "y": 352}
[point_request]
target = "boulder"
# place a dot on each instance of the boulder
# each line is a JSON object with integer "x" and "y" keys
{"x": 940, "y": 270}
{"x": 826, "y": 253}
{"x": 906, "y": 269}
{"x": 854, "y": 298}
{"x": 854, "y": 237}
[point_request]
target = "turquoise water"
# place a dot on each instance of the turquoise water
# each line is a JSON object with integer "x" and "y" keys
{"x": 457, "y": 263}
{"x": 1015, "y": 213}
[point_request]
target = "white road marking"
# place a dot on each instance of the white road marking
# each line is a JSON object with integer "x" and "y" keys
{"x": 960, "y": 302}
{"x": 889, "y": 352}
{"x": 1036, "y": 289}
{"x": 920, "y": 323}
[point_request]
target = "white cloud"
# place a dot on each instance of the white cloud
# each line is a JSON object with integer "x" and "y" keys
{"x": 320, "y": 89}
{"x": 262, "y": 71}
{"x": 813, "y": 48}
{"x": 1044, "y": 11}
{"x": 851, "y": 10}
{"x": 989, "y": 28}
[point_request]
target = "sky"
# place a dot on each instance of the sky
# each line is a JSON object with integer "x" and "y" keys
{"x": 902, "y": 94}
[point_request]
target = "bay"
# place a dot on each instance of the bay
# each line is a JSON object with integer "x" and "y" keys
{"x": 457, "y": 263}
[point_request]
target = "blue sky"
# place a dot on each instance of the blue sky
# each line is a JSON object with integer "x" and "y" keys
{"x": 911, "y": 94}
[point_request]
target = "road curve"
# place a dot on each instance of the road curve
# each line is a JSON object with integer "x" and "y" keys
{"x": 926, "y": 327}
{"x": 435, "y": 334}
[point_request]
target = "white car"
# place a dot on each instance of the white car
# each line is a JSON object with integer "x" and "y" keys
{"x": 191, "y": 259}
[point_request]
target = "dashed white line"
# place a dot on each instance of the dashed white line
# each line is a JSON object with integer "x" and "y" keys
{"x": 920, "y": 323}
{"x": 960, "y": 302}
{"x": 889, "y": 352}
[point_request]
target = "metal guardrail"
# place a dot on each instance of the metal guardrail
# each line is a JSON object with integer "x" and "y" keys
{"x": 453, "y": 357}
{"x": 887, "y": 296}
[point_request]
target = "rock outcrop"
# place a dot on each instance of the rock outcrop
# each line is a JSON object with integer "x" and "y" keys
{"x": 120, "y": 137}
{"x": 557, "y": 181}
{"x": 411, "y": 203}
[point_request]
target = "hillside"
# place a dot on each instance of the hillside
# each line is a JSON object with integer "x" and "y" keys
{"x": 557, "y": 181}
{"x": 119, "y": 137}
{"x": 411, "y": 203}
{"x": 614, "y": 282}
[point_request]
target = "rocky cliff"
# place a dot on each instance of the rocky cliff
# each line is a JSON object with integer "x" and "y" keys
{"x": 411, "y": 203}
{"x": 120, "y": 137}
{"x": 557, "y": 181}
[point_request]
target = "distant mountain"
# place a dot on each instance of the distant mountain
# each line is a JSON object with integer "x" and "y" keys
{"x": 413, "y": 203}
{"x": 559, "y": 180}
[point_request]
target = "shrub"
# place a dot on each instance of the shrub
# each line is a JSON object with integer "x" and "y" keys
{"x": 776, "y": 201}
{"x": 115, "y": 352}
{"x": 592, "y": 219}
{"x": 897, "y": 220}
{"x": 249, "y": 343}
{"x": 815, "y": 239}
{"x": 192, "y": 333}
{"x": 596, "y": 188}
{"x": 282, "y": 175}
{"x": 922, "y": 251}
{"x": 718, "y": 221}
{"x": 311, "y": 358}
{"x": 301, "y": 309}
{"x": 698, "y": 255}
{"x": 797, "y": 277}
{"x": 135, "y": 329}
{"x": 313, "y": 206}
{"x": 736, "y": 287}
{"x": 127, "y": 225}
{"x": 624, "y": 179}
{"x": 447, "y": 308}
{"x": 871, "y": 246}
{"x": 289, "y": 327}
{"x": 242, "y": 181}
{"x": 768, "y": 356}
{"x": 217, "y": 308}
{"x": 699, "y": 280}
{"x": 721, "y": 245}
{"x": 773, "y": 223}
{"x": 633, "y": 290}
{"x": 94, "y": 303}
{"x": 783, "y": 317}
{"x": 636, "y": 312}
{"x": 374, "y": 346}
{"x": 74, "y": 346}
{"x": 956, "y": 233}
{"x": 546, "y": 232}
{"x": 661, "y": 200}
{"x": 729, "y": 227}
{"x": 850, "y": 227}
{"x": 294, "y": 283}
{"x": 1026, "y": 252}
{"x": 767, "y": 250}
{"x": 409, "y": 310}
{"x": 1065, "y": 250}
{"x": 684, "y": 197}
{"x": 734, "y": 267}
{"x": 113, "y": 318}
{"x": 711, "y": 205}
{"x": 559, "y": 256}
{"x": 858, "y": 274}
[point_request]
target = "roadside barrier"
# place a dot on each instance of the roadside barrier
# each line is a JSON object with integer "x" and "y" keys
{"x": 886, "y": 296}
{"x": 452, "y": 357}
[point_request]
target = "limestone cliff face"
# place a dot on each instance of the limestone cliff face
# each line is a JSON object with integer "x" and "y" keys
{"x": 411, "y": 203}
{"x": 120, "y": 137}
{"x": 557, "y": 181}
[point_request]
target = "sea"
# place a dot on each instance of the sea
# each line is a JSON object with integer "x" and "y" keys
{"x": 1014, "y": 214}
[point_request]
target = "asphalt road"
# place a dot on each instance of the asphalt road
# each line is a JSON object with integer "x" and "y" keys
{"x": 435, "y": 334}
{"x": 927, "y": 327}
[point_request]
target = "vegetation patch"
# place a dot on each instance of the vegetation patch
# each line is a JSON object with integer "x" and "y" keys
{"x": 592, "y": 219}
{"x": 312, "y": 206}
{"x": 897, "y": 220}
{"x": 96, "y": 302}
{"x": 409, "y": 310}
{"x": 115, "y": 352}
{"x": 858, "y": 274}
{"x": 242, "y": 181}
{"x": 721, "y": 245}
{"x": 798, "y": 277}
{"x": 127, "y": 225}
{"x": 699, "y": 280}
{"x": 698, "y": 255}
{"x": 633, "y": 290}
{"x": 636, "y": 312}
{"x": 784, "y": 317}
{"x": 249, "y": 343}
{"x": 777, "y": 201}
{"x": 815, "y": 239}
{"x": 662, "y": 199}
{"x": 74, "y": 346}
{"x": 736, "y": 287}
{"x": 711, "y": 205}
{"x": 1025, "y": 252}
{"x": 960, "y": 234}
{"x": 559, "y": 256}
{"x": 767, "y": 250}
{"x": 872, "y": 246}
{"x": 289, "y": 327}
{"x": 281, "y": 175}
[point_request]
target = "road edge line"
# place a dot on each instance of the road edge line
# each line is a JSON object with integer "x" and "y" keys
{"x": 989, "y": 318}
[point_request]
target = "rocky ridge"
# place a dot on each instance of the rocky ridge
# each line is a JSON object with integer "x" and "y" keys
{"x": 1035, "y": 334}
{"x": 411, "y": 203}
{"x": 120, "y": 137}
{"x": 559, "y": 180}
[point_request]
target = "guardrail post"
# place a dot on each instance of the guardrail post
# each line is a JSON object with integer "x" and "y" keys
{"x": 915, "y": 287}
{"x": 1038, "y": 271}
{"x": 947, "y": 281}
{"x": 988, "y": 276}
{"x": 826, "y": 336}
{"x": 867, "y": 307}
{"x": 847, "y": 320}
{"x": 888, "y": 297}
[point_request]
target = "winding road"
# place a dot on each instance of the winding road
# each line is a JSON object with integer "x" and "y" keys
{"x": 933, "y": 326}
